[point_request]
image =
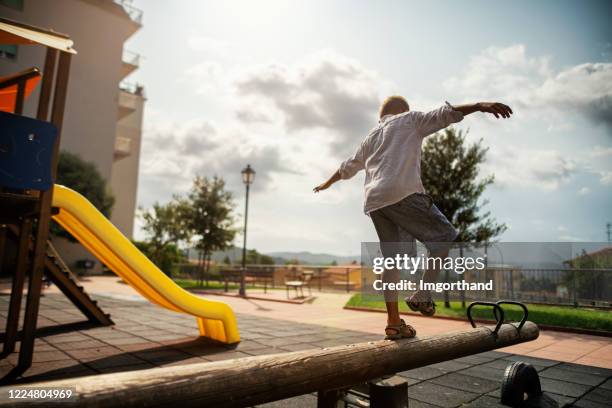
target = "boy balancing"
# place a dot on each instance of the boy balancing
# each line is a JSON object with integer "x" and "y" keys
{"x": 395, "y": 198}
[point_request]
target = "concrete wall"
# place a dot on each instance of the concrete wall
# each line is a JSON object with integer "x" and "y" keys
{"x": 124, "y": 181}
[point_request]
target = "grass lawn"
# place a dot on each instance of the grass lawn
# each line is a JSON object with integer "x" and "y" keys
{"x": 563, "y": 316}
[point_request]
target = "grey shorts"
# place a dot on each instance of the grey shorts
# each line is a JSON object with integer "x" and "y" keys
{"x": 399, "y": 225}
{"x": 414, "y": 217}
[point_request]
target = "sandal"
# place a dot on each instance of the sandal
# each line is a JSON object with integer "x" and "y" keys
{"x": 422, "y": 302}
{"x": 402, "y": 331}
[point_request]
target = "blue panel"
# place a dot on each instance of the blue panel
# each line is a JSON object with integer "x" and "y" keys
{"x": 26, "y": 147}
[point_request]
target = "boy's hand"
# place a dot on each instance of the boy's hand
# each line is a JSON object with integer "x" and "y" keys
{"x": 496, "y": 108}
{"x": 335, "y": 177}
{"x": 321, "y": 187}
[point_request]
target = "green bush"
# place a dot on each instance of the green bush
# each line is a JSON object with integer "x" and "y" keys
{"x": 166, "y": 260}
{"x": 83, "y": 177}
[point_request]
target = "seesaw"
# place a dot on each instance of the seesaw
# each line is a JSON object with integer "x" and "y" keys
{"x": 328, "y": 371}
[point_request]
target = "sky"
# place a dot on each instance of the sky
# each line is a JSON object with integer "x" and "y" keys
{"x": 292, "y": 87}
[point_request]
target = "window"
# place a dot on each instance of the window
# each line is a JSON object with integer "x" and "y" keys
{"x": 8, "y": 51}
{"x": 14, "y": 4}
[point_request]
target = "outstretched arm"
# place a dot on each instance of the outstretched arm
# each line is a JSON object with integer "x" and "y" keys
{"x": 335, "y": 177}
{"x": 496, "y": 108}
{"x": 347, "y": 169}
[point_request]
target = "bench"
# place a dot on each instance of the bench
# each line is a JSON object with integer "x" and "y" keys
{"x": 253, "y": 276}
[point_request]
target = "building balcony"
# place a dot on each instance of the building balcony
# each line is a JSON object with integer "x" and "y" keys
{"x": 134, "y": 13}
{"x": 123, "y": 147}
{"x": 131, "y": 97}
{"x": 132, "y": 88}
{"x": 129, "y": 63}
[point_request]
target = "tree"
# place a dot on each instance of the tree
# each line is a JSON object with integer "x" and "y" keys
{"x": 255, "y": 258}
{"x": 166, "y": 226}
{"x": 165, "y": 259}
{"x": 83, "y": 177}
{"x": 588, "y": 277}
{"x": 210, "y": 219}
{"x": 449, "y": 170}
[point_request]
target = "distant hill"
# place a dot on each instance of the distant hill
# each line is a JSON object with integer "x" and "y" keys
{"x": 314, "y": 258}
{"x": 280, "y": 258}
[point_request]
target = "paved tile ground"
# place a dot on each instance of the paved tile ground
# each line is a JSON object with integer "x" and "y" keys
{"x": 146, "y": 336}
{"x": 326, "y": 309}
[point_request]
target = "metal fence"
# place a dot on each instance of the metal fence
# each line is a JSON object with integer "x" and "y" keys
{"x": 574, "y": 287}
{"x": 323, "y": 277}
{"x": 577, "y": 287}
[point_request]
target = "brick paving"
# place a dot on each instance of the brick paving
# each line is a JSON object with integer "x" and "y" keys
{"x": 326, "y": 310}
{"x": 146, "y": 336}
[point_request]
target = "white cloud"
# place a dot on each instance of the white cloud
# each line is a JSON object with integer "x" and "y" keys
{"x": 605, "y": 177}
{"x": 174, "y": 153}
{"x": 584, "y": 191}
{"x": 254, "y": 114}
{"x": 209, "y": 45}
{"x": 571, "y": 238}
{"x": 545, "y": 169}
{"x": 206, "y": 77}
{"x": 599, "y": 151}
{"x": 530, "y": 84}
{"x": 325, "y": 91}
{"x": 499, "y": 71}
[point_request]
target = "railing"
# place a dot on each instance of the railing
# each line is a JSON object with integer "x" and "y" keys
{"x": 572, "y": 287}
{"x": 324, "y": 277}
{"x": 130, "y": 57}
{"x": 132, "y": 88}
{"x": 134, "y": 13}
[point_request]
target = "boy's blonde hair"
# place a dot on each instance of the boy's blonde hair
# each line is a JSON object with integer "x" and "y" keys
{"x": 393, "y": 105}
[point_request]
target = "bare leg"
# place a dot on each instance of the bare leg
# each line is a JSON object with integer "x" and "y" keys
{"x": 431, "y": 274}
{"x": 392, "y": 243}
{"x": 393, "y": 316}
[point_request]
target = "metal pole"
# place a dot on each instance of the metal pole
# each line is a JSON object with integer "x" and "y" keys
{"x": 348, "y": 281}
{"x": 486, "y": 271}
{"x": 243, "y": 271}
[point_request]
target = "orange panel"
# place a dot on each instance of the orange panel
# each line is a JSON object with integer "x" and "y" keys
{"x": 8, "y": 95}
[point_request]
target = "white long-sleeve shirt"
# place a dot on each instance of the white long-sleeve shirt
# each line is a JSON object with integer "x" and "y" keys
{"x": 391, "y": 155}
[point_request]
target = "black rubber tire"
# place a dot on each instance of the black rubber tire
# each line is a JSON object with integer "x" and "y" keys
{"x": 520, "y": 380}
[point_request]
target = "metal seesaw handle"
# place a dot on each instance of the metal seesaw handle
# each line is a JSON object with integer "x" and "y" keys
{"x": 525, "y": 311}
{"x": 496, "y": 309}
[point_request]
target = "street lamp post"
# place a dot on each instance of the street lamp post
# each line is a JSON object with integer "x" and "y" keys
{"x": 248, "y": 175}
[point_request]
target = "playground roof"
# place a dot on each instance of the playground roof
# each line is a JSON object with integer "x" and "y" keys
{"x": 12, "y": 32}
{"x": 9, "y": 87}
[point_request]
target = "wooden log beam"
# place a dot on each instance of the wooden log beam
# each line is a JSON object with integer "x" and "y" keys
{"x": 254, "y": 380}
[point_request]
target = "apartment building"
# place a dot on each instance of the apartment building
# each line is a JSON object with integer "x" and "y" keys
{"x": 103, "y": 118}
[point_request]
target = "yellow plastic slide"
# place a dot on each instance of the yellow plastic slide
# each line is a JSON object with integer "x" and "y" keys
{"x": 95, "y": 232}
